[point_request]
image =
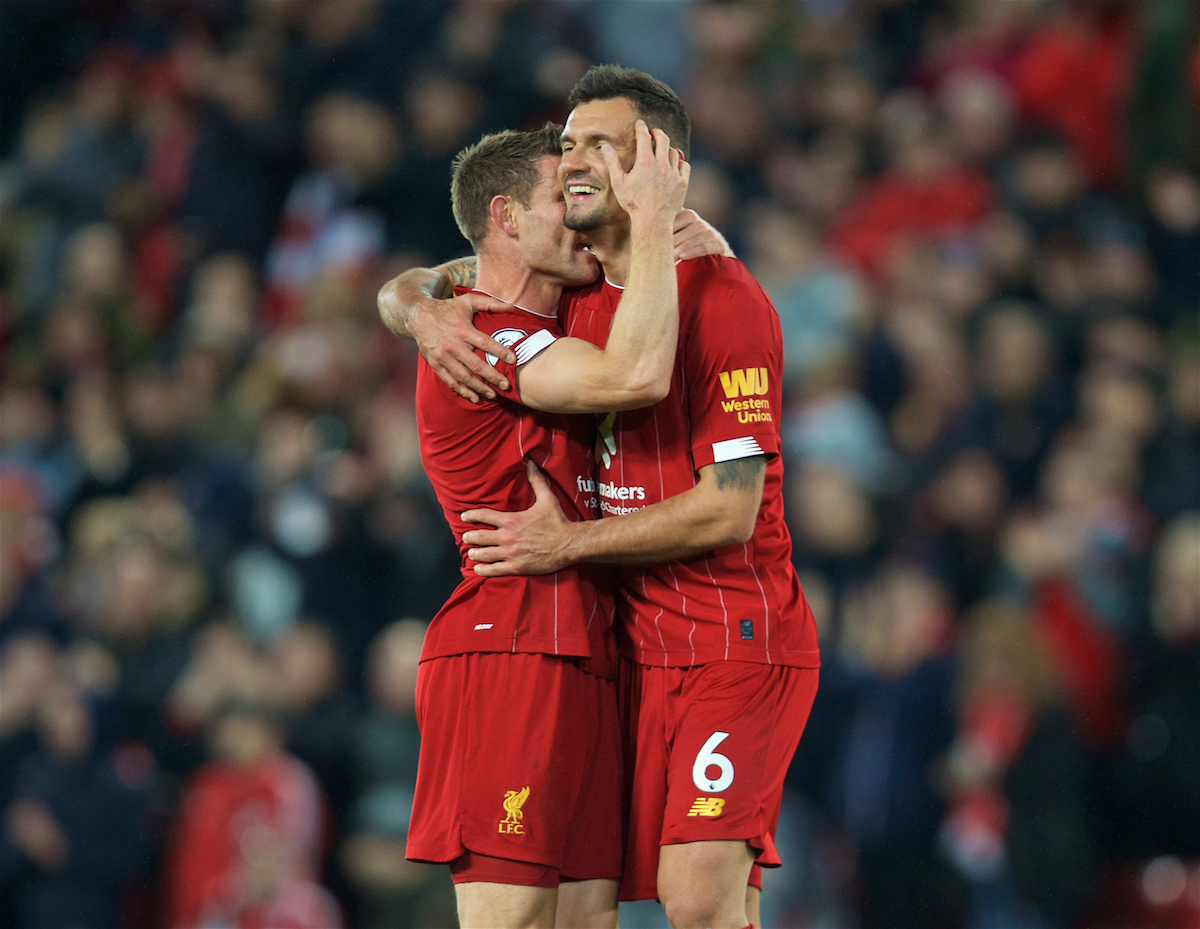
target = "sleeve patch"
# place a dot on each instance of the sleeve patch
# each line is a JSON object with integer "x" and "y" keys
{"x": 746, "y": 447}
{"x": 531, "y": 346}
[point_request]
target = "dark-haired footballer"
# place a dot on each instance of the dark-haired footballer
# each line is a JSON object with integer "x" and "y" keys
{"x": 718, "y": 644}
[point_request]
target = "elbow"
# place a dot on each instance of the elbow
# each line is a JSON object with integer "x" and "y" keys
{"x": 637, "y": 393}
{"x": 736, "y": 528}
{"x": 653, "y": 391}
{"x": 387, "y": 304}
{"x": 633, "y": 396}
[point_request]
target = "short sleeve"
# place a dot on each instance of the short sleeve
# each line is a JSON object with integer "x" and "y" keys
{"x": 526, "y": 344}
{"x": 733, "y": 362}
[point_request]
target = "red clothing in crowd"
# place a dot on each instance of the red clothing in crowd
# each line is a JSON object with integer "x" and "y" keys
{"x": 225, "y": 814}
{"x": 893, "y": 207}
{"x": 1072, "y": 78}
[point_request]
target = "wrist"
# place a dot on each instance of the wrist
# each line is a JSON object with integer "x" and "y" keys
{"x": 570, "y": 545}
{"x": 653, "y": 227}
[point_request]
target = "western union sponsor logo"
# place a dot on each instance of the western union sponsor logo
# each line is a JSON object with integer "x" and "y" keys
{"x": 744, "y": 382}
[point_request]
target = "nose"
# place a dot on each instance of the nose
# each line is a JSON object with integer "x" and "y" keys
{"x": 571, "y": 161}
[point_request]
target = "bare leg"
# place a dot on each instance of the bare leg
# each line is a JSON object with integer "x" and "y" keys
{"x": 483, "y": 905}
{"x": 587, "y": 905}
{"x": 702, "y": 885}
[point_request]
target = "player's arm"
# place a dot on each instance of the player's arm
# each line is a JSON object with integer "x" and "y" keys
{"x": 634, "y": 368}
{"x": 720, "y": 510}
{"x": 420, "y": 305}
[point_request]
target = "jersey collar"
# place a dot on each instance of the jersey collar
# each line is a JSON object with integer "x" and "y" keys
{"x": 523, "y": 309}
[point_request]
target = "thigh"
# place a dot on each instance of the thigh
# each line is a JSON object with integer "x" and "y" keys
{"x": 484, "y": 905}
{"x": 587, "y": 905}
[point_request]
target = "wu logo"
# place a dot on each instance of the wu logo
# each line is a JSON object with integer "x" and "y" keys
{"x": 513, "y": 801}
{"x": 707, "y": 806}
{"x": 606, "y": 443}
{"x": 744, "y": 382}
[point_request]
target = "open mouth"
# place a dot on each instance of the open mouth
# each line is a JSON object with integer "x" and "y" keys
{"x": 580, "y": 192}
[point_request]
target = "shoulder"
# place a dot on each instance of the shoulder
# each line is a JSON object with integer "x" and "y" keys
{"x": 714, "y": 287}
{"x": 715, "y": 274}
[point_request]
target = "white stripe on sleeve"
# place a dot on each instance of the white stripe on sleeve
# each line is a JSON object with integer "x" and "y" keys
{"x": 733, "y": 449}
{"x": 534, "y": 344}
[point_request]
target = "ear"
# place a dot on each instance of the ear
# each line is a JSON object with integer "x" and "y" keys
{"x": 502, "y": 210}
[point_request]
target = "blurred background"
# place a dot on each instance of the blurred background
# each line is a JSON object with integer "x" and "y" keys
{"x": 980, "y": 224}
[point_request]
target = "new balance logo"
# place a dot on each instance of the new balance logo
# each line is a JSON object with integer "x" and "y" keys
{"x": 744, "y": 382}
{"x": 707, "y": 806}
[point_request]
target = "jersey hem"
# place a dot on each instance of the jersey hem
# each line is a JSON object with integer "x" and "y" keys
{"x": 687, "y": 658}
{"x": 569, "y": 648}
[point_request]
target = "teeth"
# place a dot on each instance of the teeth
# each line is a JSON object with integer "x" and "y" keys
{"x": 582, "y": 189}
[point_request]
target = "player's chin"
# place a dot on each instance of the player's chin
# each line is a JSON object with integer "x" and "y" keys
{"x": 585, "y": 220}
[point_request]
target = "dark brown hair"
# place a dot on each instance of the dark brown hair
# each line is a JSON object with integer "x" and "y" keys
{"x": 653, "y": 100}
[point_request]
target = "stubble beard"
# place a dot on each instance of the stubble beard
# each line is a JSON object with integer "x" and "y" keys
{"x": 594, "y": 219}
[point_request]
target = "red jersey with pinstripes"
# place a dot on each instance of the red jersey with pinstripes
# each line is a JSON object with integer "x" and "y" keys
{"x": 742, "y": 602}
{"x": 474, "y": 455}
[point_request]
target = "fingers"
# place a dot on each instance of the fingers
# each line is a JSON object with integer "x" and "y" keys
{"x": 684, "y": 219}
{"x": 492, "y": 347}
{"x": 482, "y": 515}
{"x": 615, "y": 172}
{"x": 485, "y": 555}
{"x": 484, "y": 303}
{"x": 462, "y": 382}
{"x": 541, "y": 486}
{"x": 481, "y": 538}
{"x": 662, "y": 146}
{"x": 495, "y": 570}
{"x": 645, "y": 139}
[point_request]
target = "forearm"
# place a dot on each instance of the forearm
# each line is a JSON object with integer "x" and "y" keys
{"x": 640, "y": 352}
{"x": 634, "y": 368}
{"x": 720, "y": 510}
{"x": 399, "y": 298}
{"x": 678, "y": 527}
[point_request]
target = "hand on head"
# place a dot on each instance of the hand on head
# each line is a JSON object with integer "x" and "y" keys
{"x": 656, "y": 183}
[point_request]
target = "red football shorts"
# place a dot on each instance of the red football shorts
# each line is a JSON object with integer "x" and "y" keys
{"x": 707, "y": 749}
{"x": 519, "y": 752}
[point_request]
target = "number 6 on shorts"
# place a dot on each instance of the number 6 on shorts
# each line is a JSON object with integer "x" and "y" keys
{"x": 708, "y": 757}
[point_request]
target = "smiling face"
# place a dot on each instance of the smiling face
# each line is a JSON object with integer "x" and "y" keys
{"x": 591, "y": 203}
{"x": 547, "y": 246}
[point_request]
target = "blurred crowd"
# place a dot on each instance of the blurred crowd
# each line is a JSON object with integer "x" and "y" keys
{"x": 980, "y": 225}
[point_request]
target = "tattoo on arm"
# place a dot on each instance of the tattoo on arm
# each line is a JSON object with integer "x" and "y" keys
{"x": 461, "y": 272}
{"x": 739, "y": 474}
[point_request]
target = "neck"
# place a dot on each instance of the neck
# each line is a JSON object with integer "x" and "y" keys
{"x": 611, "y": 246}
{"x": 510, "y": 281}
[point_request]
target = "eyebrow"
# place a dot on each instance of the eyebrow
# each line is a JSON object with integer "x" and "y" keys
{"x": 590, "y": 137}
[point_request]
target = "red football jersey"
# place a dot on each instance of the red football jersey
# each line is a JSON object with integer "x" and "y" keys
{"x": 474, "y": 455}
{"x": 742, "y": 602}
